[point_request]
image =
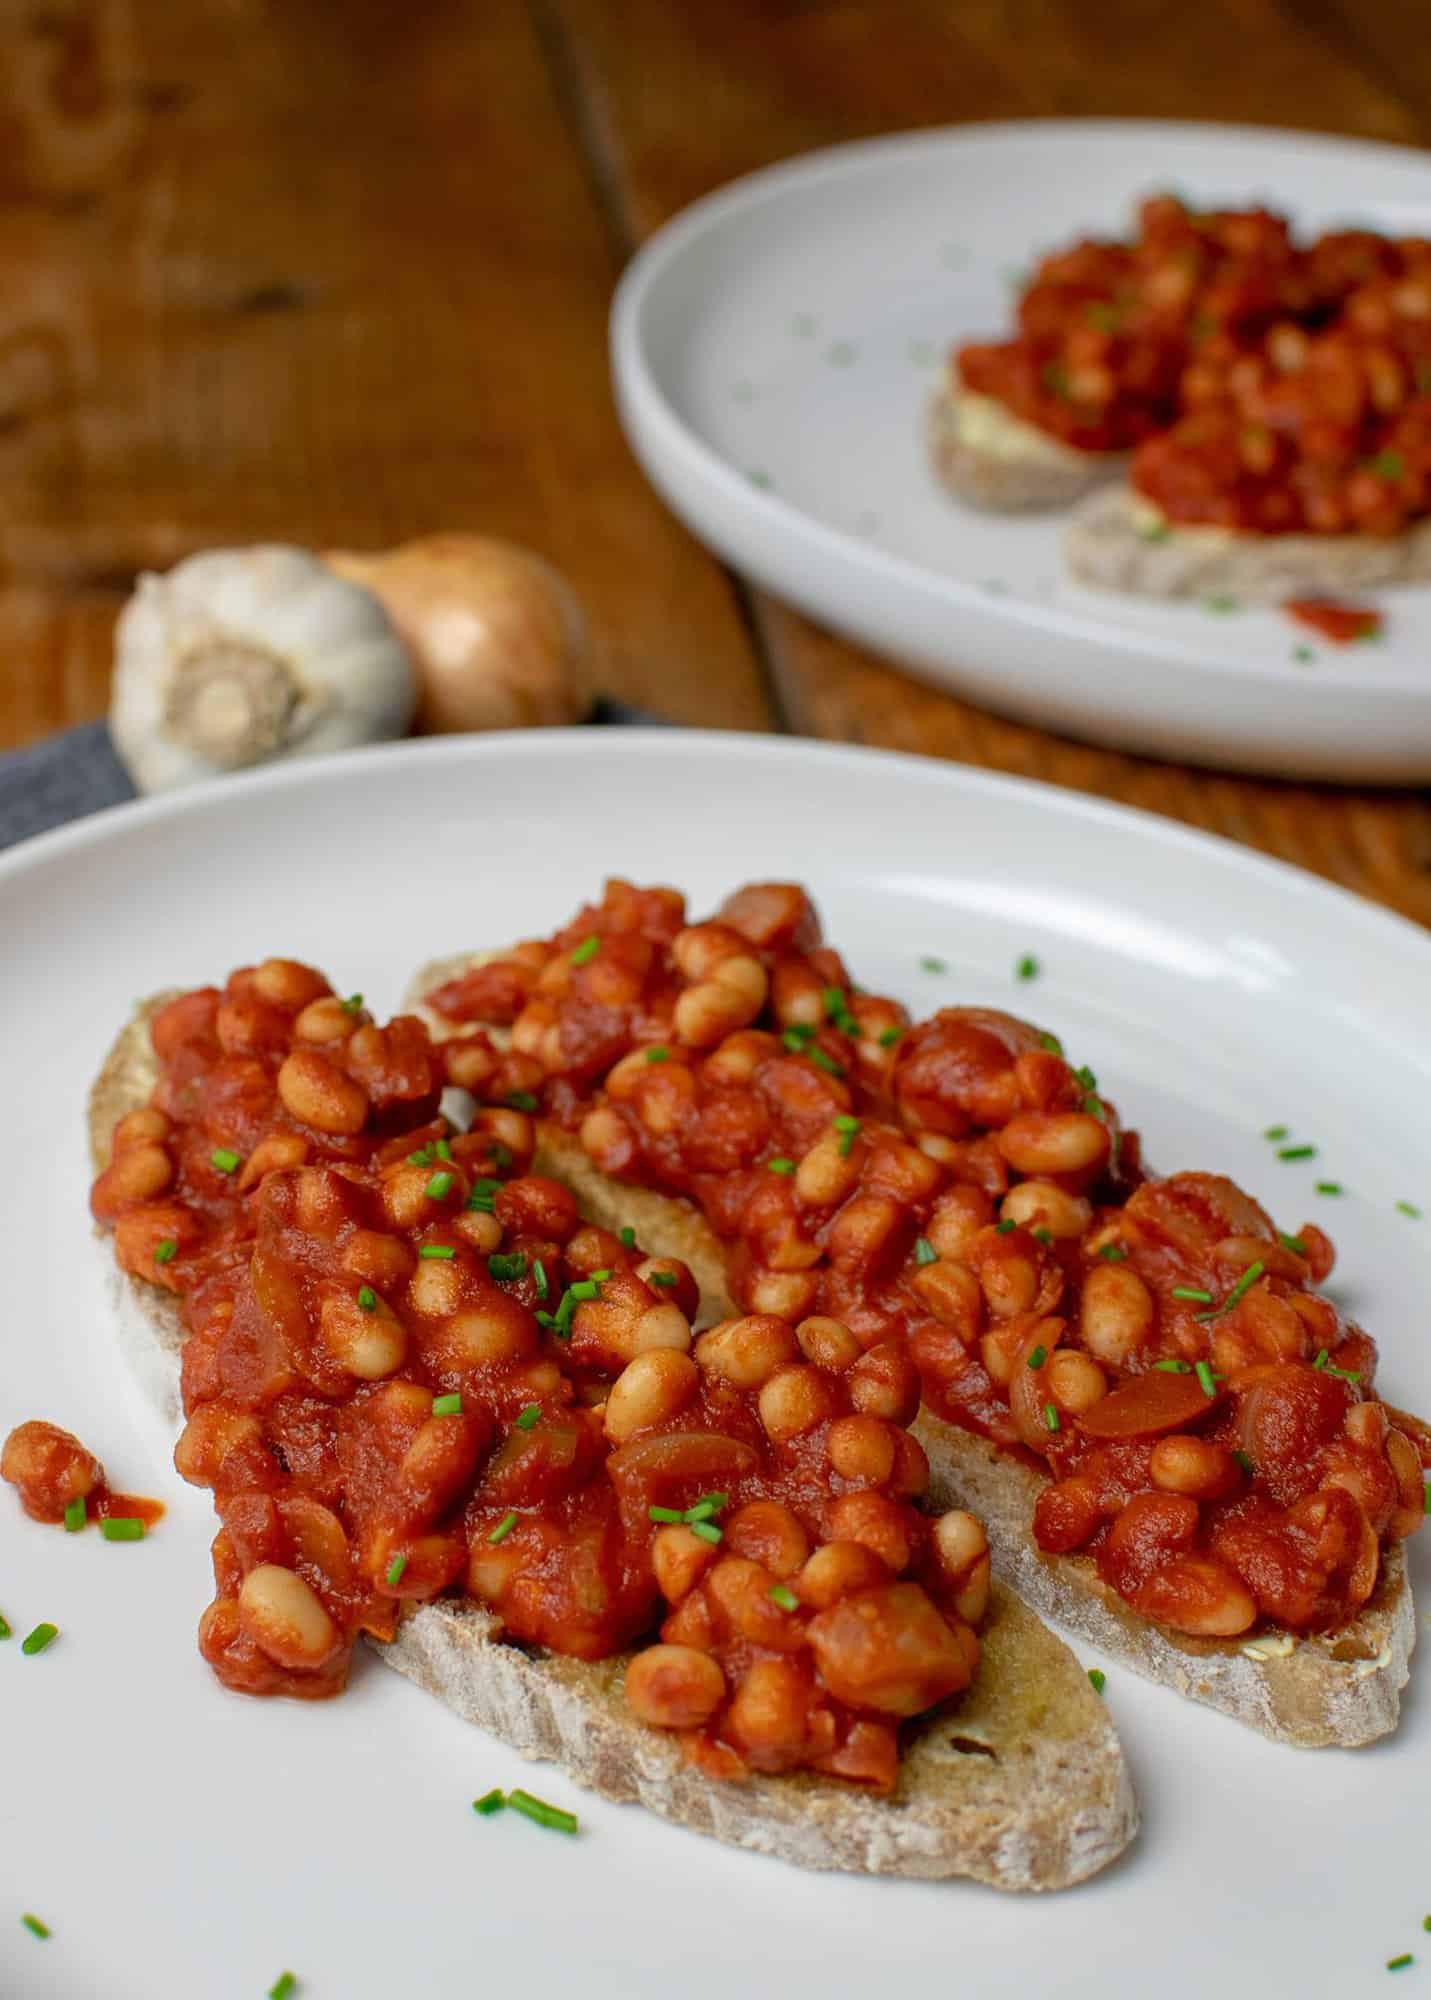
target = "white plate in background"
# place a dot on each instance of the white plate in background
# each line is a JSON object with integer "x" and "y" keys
{"x": 182, "y": 1841}
{"x": 775, "y": 348}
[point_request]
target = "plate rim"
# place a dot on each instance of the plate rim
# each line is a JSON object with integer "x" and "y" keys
{"x": 635, "y": 378}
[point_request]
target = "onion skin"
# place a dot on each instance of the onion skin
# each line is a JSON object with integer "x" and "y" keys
{"x": 496, "y": 636}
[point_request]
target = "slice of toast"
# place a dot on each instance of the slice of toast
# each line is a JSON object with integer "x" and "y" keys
{"x": 1341, "y": 1689}
{"x": 1020, "y": 1783}
{"x": 1116, "y": 541}
{"x": 986, "y": 455}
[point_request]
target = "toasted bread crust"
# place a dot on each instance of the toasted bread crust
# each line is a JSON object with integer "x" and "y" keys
{"x": 1343, "y": 1690}
{"x": 1014, "y": 469}
{"x": 1020, "y": 1783}
{"x": 1108, "y": 544}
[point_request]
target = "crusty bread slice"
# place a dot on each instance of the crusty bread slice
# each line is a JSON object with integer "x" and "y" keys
{"x": 1115, "y": 541}
{"x": 994, "y": 460}
{"x": 1020, "y": 1783}
{"x": 1343, "y": 1689}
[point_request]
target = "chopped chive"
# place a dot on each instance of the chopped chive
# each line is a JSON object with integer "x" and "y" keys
{"x": 225, "y": 1160}
{"x": 448, "y": 1406}
{"x": 628, "y": 1238}
{"x": 1051, "y": 1418}
{"x": 836, "y": 1007}
{"x": 586, "y": 951}
{"x": 484, "y": 1196}
{"x": 1041, "y": 1235}
{"x": 544, "y": 1814}
{"x": 521, "y": 1100}
{"x": 1244, "y": 1284}
{"x": 783, "y": 1597}
{"x": 1006, "y": 1227}
{"x": 1205, "y": 1381}
{"x": 798, "y": 1036}
{"x": 442, "y": 1150}
{"x": 1294, "y": 1244}
{"x": 1113, "y": 1253}
{"x": 1322, "y": 1359}
{"x": 503, "y": 1528}
{"x": 584, "y": 1288}
{"x": 1051, "y": 1043}
{"x": 1409, "y": 1208}
{"x": 707, "y": 1530}
{"x": 39, "y": 1639}
{"x": 1275, "y": 1132}
{"x": 6, "y": 1631}
{"x": 1173, "y": 1367}
{"x": 1222, "y": 602}
{"x": 539, "y": 1277}
{"x": 439, "y": 1187}
{"x": 890, "y": 1036}
{"x": 658, "y": 1052}
{"x": 1192, "y": 1292}
{"x": 1246, "y": 1463}
{"x": 284, "y": 1987}
{"x": 500, "y": 1155}
{"x": 490, "y": 1802}
{"x": 668, "y": 1516}
{"x": 75, "y": 1517}
{"x": 1328, "y": 1187}
{"x": 702, "y": 1511}
{"x": 367, "y": 1299}
{"x": 924, "y": 1251}
{"x": 1297, "y": 1153}
{"x": 353, "y": 1004}
{"x": 780, "y": 1166}
{"x": 1352, "y": 1375}
{"x": 665, "y": 1279}
{"x": 504, "y": 1264}
{"x": 1427, "y": 1500}
{"x": 1038, "y": 1357}
{"x": 933, "y": 965}
{"x": 122, "y": 1528}
{"x": 826, "y": 1063}
{"x": 395, "y": 1570}
{"x": 1085, "y": 1078}
{"x": 423, "y": 1157}
{"x": 166, "y": 1252}
{"x": 437, "y": 1253}
{"x": 848, "y": 1129}
{"x": 34, "y": 1925}
{"x": 1099, "y": 1679}
{"x": 530, "y": 1417}
{"x": 1426, "y": 1923}
{"x": 1398, "y": 1964}
{"x": 1027, "y": 967}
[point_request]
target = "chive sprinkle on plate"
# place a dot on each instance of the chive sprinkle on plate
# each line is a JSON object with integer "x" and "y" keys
{"x": 42, "y": 1636}
{"x": 35, "y": 1925}
{"x": 284, "y": 1987}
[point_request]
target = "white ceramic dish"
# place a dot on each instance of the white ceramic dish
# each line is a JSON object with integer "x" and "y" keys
{"x": 775, "y": 348}
{"x": 182, "y": 1841}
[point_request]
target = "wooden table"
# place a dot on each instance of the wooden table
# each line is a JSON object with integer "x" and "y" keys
{"x": 337, "y": 271}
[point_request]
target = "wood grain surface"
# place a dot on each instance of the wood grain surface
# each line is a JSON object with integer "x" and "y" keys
{"x": 337, "y": 272}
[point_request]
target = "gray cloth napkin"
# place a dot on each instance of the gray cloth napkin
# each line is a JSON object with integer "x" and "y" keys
{"x": 77, "y": 772}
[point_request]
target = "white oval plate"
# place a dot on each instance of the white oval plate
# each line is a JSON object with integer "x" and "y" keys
{"x": 775, "y": 348}
{"x": 183, "y": 1841}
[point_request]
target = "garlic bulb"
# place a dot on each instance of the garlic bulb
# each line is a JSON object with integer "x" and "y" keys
{"x": 239, "y": 656}
{"x": 496, "y": 635}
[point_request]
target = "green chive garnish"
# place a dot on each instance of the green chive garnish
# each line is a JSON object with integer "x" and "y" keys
{"x": 439, "y": 1187}
{"x": 224, "y": 1160}
{"x": 628, "y": 1238}
{"x": 442, "y": 1150}
{"x": 708, "y": 1504}
{"x": 890, "y": 1036}
{"x": 423, "y": 1157}
{"x": 34, "y": 1925}
{"x": 1297, "y": 1153}
{"x": 586, "y": 951}
{"x": 1205, "y": 1381}
{"x": 166, "y": 1252}
{"x": 1173, "y": 1367}
{"x": 784, "y": 1597}
{"x": 1050, "y": 1418}
{"x": 521, "y": 1100}
{"x": 1038, "y": 1357}
{"x": 353, "y": 1004}
{"x": 6, "y": 1631}
{"x": 667, "y": 1516}
{"x": 122, "y": 1528}
{"x": 1244, "y": 1284}
{"x": 1397, "y": 1964}
{"x": 834, "y": 1003}
{"x": 1192, "y": 1292}
{"x": 539, "y": 1276}
{"x": 1113, "y": 1253}
{"x": 665, "y": 1279}
{"x": 1098, "y": 1678}
{"x": 1409, "y": 1208}
{"x": 39, "y": 1639}
{"x": 484, "y": 1195}
{"x": 284, "y": 1987}
{"x": 658, "y": 1052}
{"x": 503, "y": 1528}
{"x": 1294, "y": 1244}
{"x": 781, "y": 1166}
{"x": 1027, "y": 967}
{"x": 507, "y": 1264}
{"x": 826, "y": 1063}
{"x": 707, "y": 1530}
{"x": 1276, "y": 1132}
{"x": 1041, "y": 1235}
{"x": 1005, "y": 1228}
{"x": 395, "y": 1570}
{"x": 798, "y": 1037}
{"x": 933, "y": 965}
{"x": 1322, "y": 1359}
{"x": 530, "y": 1417}
{"x": 1246, "y": 1463}
{"x": 448, "y": 1406}
{"x": 490, "y": 1802}
{"x": 1051, "y": 1043}
{"x": 1427, "y": 1502}
{"x": 848, "y": 1129}
{"x": 1328, "y": 1187}
{"x": 437, "y": 1253}
{"x": 1085, "y": 1078}
{"x": 542, "y": 1813}
{"x": 367, "y": 1299}
{"x": 75, "y": 1517}
{"x": 924, "y": 1251}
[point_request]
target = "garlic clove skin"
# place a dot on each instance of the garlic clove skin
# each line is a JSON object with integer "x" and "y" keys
{"x": 238, "y": 657}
